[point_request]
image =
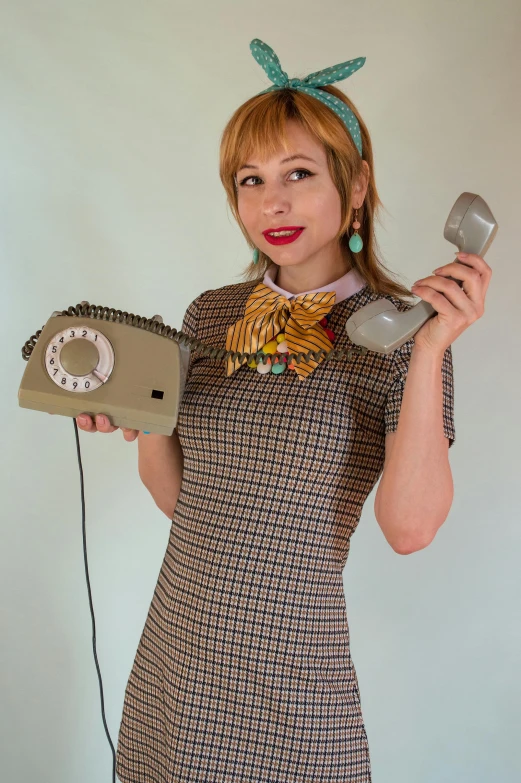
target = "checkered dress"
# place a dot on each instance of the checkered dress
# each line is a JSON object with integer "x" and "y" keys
{"x": 243, "y": 673}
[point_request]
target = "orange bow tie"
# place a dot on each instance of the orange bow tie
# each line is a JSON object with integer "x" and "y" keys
{"x": 268, "y": 313}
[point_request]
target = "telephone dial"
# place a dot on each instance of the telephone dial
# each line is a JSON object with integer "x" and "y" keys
{"x": 96, "y": 359}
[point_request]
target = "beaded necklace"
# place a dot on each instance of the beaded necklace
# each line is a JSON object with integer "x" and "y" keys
{"x": 279, "y": 346}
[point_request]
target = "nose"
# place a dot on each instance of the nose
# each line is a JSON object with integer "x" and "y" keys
{"x": 275, "y": 201}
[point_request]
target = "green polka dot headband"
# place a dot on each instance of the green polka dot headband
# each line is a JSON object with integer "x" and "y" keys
{"x": 269, "y": 61}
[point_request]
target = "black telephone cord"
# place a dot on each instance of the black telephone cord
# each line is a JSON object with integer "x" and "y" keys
{"x": 90, "y": 600}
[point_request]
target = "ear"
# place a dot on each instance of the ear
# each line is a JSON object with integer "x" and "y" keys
{"x": 360, "y": 186}
{"x": 362, "y": 183}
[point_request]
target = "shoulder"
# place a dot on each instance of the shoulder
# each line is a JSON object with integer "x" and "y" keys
{"x": 226, "y": 302}
{"x": 220, "y": 298}
{"x": 396, "y": 362}
{"x": 216, "y": 309}
{"x": 227, "y": 293}
{"x": 400, "y": 358}
{"x": 401, "y": 305}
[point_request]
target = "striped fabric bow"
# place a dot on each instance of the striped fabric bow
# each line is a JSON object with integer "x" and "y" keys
{"x": 268, "y": 313}
{"x": 269, "y": 61}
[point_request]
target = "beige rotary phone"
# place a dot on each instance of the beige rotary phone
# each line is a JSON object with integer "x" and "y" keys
{"x": 91, "y": 359}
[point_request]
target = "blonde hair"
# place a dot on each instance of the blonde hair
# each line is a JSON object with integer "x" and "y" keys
{"x": 258, "y": 126}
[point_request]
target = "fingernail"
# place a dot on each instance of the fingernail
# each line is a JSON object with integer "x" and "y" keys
{"x": 100, "y": 419}
{"x": 82, "y": 419}
{"x": 462, "y": 255}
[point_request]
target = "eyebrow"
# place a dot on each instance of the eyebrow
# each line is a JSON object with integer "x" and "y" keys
{"x": 285, "y": 160}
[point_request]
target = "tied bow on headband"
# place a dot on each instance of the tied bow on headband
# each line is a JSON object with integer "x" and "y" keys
{"x": 268, "y": 313}
{"x": 269, "y": 61}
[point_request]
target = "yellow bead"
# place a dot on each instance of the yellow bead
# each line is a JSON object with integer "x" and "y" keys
{"x": 270, "y": 347}
{"x": 252, "y": 363}
{"x": 280, "y": 337}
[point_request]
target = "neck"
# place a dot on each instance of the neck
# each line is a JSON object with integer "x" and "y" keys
{"x": 297, "y": 278}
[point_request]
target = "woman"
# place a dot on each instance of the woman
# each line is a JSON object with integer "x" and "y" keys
{"x": 243, "y": 671}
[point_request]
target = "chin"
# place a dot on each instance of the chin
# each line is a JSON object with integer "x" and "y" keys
{"x": 288, "y": 258}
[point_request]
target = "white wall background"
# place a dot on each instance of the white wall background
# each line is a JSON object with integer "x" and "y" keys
{"x": 110, "y": 119}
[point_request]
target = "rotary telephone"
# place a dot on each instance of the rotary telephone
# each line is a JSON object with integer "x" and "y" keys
{"x": 96, "y": 359}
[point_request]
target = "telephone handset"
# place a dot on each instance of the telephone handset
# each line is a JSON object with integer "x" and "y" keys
{"x": 379, "y": 326}
{"x": 92, "y": 359}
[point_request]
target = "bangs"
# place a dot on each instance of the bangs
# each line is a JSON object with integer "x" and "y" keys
{"x": 260, "y": 129}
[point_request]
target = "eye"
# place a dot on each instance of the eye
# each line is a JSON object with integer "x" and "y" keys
{"x": 302, "y": 171}
{"x": 296, "y": 171}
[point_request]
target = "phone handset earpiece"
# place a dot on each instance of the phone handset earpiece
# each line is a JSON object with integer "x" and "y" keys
{"x": 379, "y": 326}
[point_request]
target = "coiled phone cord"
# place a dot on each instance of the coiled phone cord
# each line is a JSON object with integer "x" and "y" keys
{"x": 84, "y": 309}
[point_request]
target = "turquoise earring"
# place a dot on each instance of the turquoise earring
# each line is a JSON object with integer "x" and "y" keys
{"x": 356, "y": 242}
{"x": 255, "y": 255}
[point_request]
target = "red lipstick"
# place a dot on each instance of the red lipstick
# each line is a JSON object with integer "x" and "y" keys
{"x": 283, "y": 240}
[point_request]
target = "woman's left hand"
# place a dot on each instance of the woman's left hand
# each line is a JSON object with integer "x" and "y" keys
{"x": 457, "y": 308}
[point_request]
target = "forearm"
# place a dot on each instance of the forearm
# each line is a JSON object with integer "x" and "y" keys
{"x": 160, "y": 466}
{"x": 416, "y": 488}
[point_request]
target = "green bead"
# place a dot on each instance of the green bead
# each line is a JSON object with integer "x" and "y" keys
{"x": 255, "y": 255}
{"x": 356, "y": 243}
{"x": 278, "y": 368}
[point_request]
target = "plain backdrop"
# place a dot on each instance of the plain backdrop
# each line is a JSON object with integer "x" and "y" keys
{"x": 110, "y": 121}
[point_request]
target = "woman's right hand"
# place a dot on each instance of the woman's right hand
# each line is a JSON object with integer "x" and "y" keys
{"x": 101, "y": 424}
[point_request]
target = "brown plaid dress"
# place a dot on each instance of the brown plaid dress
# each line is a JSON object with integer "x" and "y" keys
{"x": 243, "y": 673}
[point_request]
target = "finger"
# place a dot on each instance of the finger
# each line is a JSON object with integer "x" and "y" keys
{"x": 469, "y": 276}
{"x": 129, "y": 434}
{"x": 459, "y": 295}
{"x": 485, "y": 274}
{"x": 103, "y": 424}
{"x": 446, "y": 297}
{"x": 88, "y": 425}
{"x": 475, "y": 261}
{"x": 469, "y": 261}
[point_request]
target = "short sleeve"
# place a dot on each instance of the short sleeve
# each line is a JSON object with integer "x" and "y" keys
{"x": 189, "y": 327}
{"x": 401, "y": 358}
